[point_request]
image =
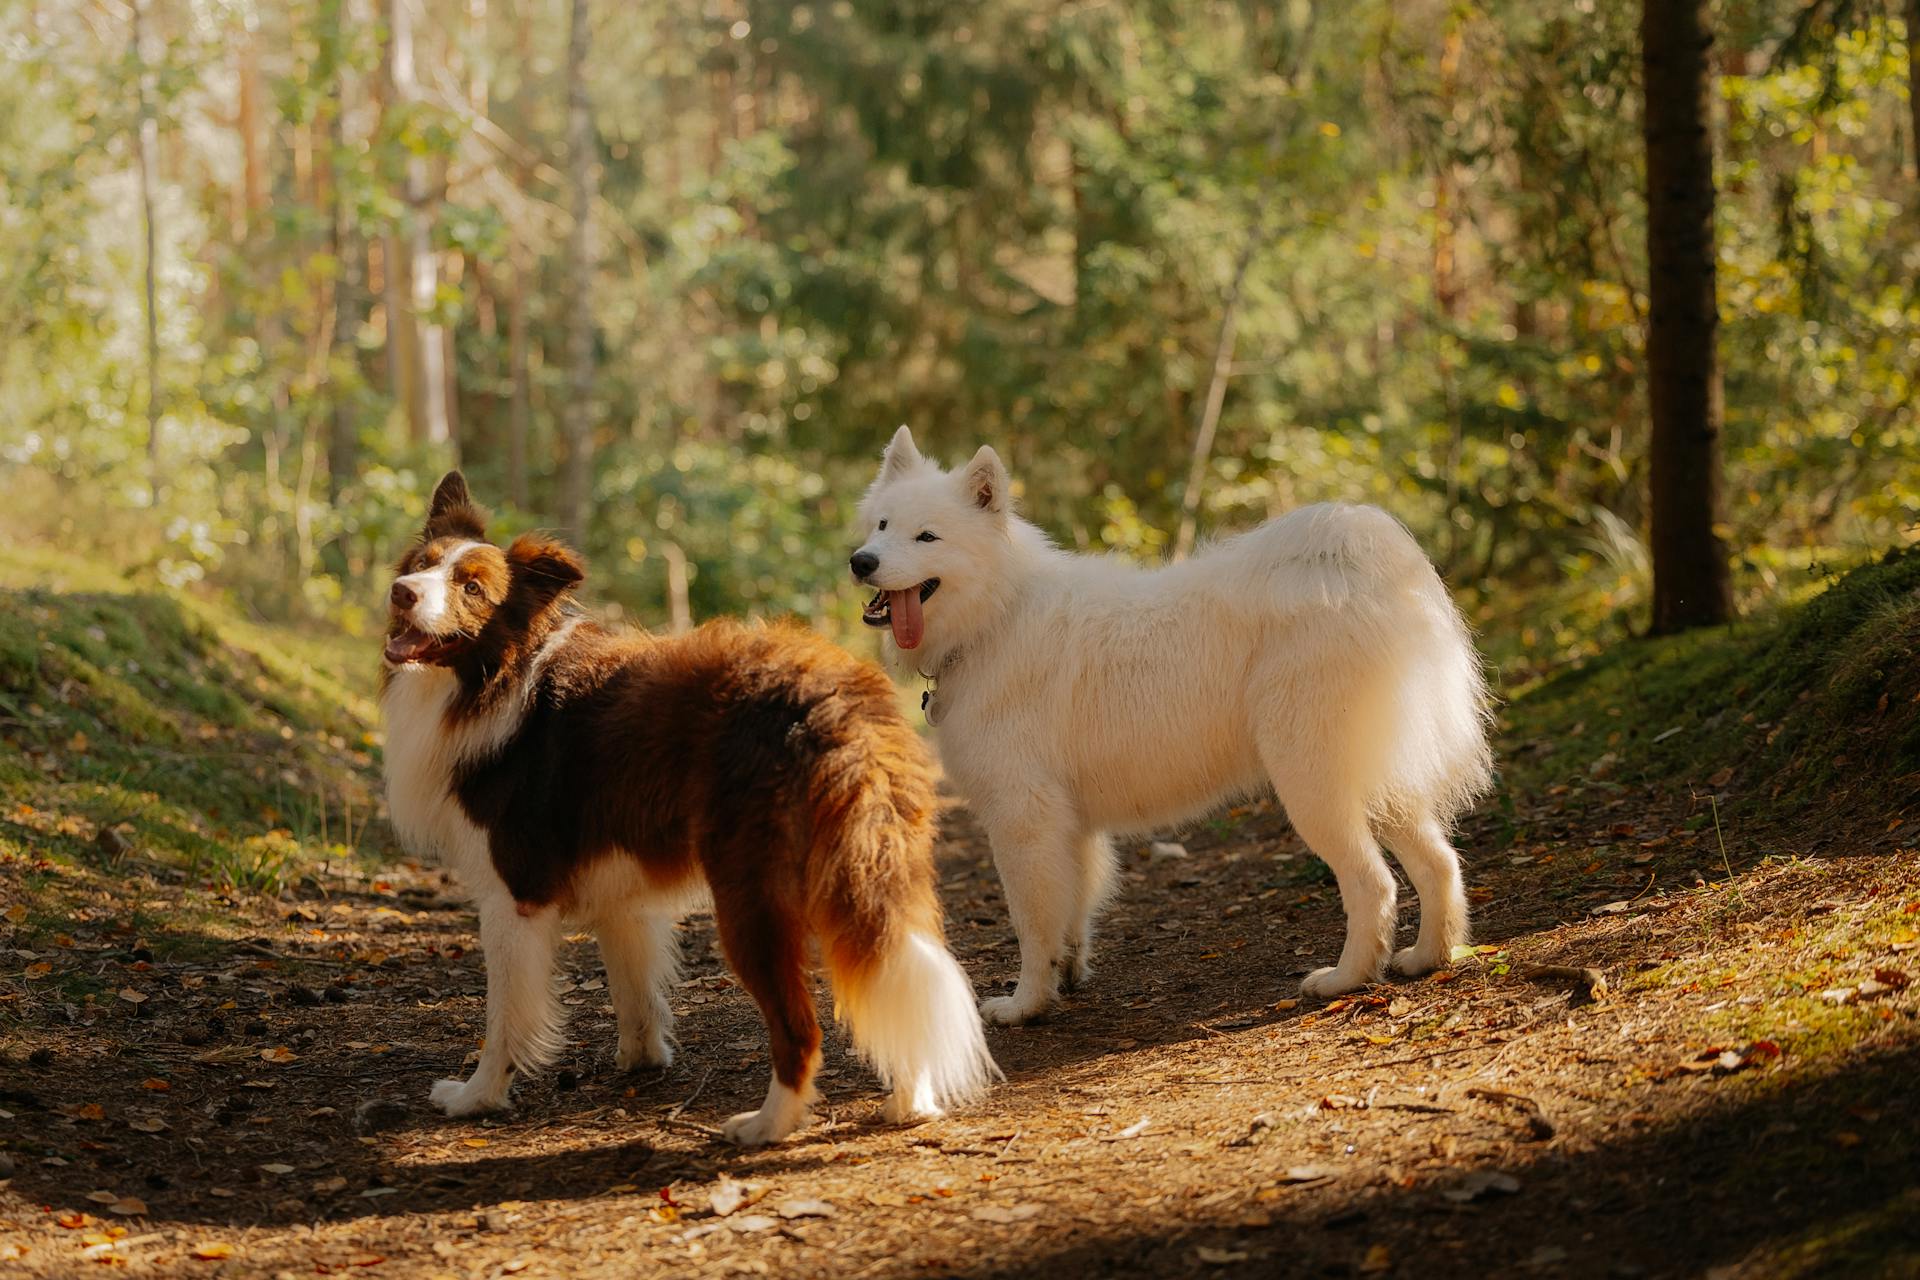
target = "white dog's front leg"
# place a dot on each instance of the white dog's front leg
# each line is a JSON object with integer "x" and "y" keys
{"x": 522, "y": 1018}
{"x": 1041, "y": 876}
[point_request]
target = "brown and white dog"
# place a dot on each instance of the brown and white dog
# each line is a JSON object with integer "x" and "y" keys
{"x": 563, "y": 770}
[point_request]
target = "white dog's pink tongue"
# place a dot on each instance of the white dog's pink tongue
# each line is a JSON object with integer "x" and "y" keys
{"x": 904, "y": 606}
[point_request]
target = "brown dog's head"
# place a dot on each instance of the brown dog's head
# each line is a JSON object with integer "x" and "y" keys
{"x": 455, "y": 594}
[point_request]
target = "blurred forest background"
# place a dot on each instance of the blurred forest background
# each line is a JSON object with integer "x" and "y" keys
{"x": 667, "y": 275}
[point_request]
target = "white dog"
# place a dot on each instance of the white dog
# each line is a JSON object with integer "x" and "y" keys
{"x": 1078, "y": 697}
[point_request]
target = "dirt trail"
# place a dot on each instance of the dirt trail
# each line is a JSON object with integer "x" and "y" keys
{"x": 1740, "y": 1099}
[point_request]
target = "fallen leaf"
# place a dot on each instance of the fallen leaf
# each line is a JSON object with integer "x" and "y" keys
{"x": 281, "y": 1054}
{"x": 40, "y": 970}
{"x": 475, "y": 1142}
{"x": 129, "y": 1207}
{"x": 1004, "y": 1214}
{"x": 213, "y": 1250}
{"x": 1220, "y": 1257}
{"x": 147, "y": 1124}
{"x": 276, "y": 1168}
{"x": 1483, "y": 1182}
{"x": 74, "y": 1220}
{"x": 1135, "y": 1129}
{"x": 155, "y": 1084}
{"x": 752, "y": 1222}
{"x": 103, "y": 1197}
{"x": 1308, "y": 1173}
{"x": 329, "y": 1186}
{"x": 133, "y": 997}
{"x": 1379, "y": 1258}
{"x": 729, "y": 1195}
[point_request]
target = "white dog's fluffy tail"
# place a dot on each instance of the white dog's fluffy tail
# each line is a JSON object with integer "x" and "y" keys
{"x": 913, "y": 1018}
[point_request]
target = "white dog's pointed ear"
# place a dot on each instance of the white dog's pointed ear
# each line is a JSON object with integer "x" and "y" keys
{"x": 901, "y": 455}
{"x": 985, "y": 481}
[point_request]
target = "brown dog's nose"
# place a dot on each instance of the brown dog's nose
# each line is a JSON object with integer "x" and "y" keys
{"x": 403, "y": 596}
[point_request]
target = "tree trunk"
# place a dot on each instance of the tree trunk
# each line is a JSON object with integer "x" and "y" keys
{"x": 419, "y": 347}
{"x": 520, "y": 407}
{"x": 1913, "y": 83}
{"x": 577, "y": 419}
{"x": 679, "y": 608}
{"x": 1216, "y": 396}
{"x": 147, "y": 140}
{"x": 1690, "y": 577}
{"x": 253, "y": 181}
{"x": 344, "y": 380}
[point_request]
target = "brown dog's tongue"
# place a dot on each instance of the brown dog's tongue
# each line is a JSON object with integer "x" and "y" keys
{"x": 907, "y": 622}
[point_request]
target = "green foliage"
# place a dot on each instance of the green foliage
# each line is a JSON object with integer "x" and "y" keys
{"x": 817, "y": 221}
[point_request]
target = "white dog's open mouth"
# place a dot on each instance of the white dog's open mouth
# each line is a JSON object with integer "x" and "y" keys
{"x": 901, "y": 611}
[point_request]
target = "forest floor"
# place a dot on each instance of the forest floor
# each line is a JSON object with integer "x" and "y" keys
{"x": 203, "y": 1081}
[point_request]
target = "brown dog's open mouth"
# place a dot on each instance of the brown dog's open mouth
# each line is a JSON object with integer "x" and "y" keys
{"x": 410, "y": 644}
{"x": 900, "y": 610}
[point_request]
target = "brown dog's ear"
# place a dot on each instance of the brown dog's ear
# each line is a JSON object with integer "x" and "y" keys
{"x": 453, "y": 512}
{"x": 546, "y": 567}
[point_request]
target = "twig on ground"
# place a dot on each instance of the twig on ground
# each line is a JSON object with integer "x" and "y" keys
{"x": 690, "y": 1126}
{"x": 1590, "y": 982}
{"x": 688, "y": 1100}
{"x": 1537, "y": 1122}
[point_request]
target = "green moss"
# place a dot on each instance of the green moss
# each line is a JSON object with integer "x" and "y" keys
{"x": 229, "y": 750}
{"x": 1815, "y": 694}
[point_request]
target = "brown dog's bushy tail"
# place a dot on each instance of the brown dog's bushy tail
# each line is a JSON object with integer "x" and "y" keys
{"x": 901, "y": 994}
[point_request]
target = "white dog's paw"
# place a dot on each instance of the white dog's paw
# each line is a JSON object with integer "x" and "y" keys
{"x": 758, "y": 1128}
{"x": 899, "y": 1108}
{"x": 1079, "y": 970}
{"x": 1416, "y": 960}
{"x": 652, "y": 1050}
{"x": 1011, "y": 1011}
{"x": 1323, "y": 984}
{"x": 463, "y": 1098}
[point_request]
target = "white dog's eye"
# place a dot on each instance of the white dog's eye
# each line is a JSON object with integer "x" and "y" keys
{"x": 927, "y": 535}
{"x": 883, "y": 524}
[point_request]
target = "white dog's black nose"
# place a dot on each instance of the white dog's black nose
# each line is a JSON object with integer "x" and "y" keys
{"x": 863, "y": 563}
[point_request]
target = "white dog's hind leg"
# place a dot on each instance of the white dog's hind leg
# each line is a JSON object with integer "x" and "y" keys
{"x": 642, "y": 955}
{"x": 1038, "y": 858}
{"x": 1338, "y": 833}
{"x": 1433, "y": 865}
{"x": 523, "y": 1019}
{"x": 1096, "y": 886}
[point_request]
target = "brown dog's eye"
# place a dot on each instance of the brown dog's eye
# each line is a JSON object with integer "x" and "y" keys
{"x": 473, "y": 588}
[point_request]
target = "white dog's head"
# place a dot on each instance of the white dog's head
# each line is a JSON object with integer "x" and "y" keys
{"x": 931, "y": 531}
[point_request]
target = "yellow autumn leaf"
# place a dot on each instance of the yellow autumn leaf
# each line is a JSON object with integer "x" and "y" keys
{"x": 213, "y": 1250}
